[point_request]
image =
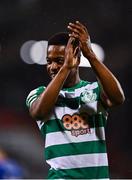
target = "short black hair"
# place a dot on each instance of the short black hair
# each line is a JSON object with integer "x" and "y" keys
{"x": 60, "y": 38}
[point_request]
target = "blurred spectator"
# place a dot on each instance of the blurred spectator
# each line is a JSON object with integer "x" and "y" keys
{"x": 9, "y": 168}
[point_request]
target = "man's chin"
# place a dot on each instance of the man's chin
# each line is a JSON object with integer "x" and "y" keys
{"x": 52, "y": 76}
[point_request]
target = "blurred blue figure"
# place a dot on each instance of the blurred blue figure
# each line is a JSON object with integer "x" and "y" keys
{"x": 9, "y": 168}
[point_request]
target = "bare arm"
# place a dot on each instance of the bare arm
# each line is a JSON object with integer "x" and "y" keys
{"x": 43, "y": 105}
{"x": 110, "y": 85}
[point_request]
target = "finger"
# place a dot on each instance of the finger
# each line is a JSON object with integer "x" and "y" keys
{"x": 76, "y": 51}
{"x": 69, "y": 44}
{"x": 76, "y": 26}
{"x": 73, "y": 29}
{"x": 74, "y": 35}
{"x": 81, "y": 25}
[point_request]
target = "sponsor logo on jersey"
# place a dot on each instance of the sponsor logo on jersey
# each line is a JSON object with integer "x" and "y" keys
{"x": 88, "y": 96}
{"x": 77, "y": 124}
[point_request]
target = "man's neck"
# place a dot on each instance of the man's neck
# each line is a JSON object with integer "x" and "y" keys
{"x": 70, "y": 82}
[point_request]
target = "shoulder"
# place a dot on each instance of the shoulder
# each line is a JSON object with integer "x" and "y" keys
{"x": 33, "y": 95}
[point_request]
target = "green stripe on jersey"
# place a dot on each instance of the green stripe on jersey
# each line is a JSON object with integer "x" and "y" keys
{"x": 75, "y": 149}
{"x": 74, "y": 103}
{"x": 77, "y": 86}
{"x": 80, "y": 173}
{"x": 55, "y": 125}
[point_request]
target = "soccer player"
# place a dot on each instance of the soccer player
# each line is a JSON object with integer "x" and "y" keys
{"x": 72, "y": 113}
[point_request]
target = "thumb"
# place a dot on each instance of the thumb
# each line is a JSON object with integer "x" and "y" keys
{"x": 76, "y": 51}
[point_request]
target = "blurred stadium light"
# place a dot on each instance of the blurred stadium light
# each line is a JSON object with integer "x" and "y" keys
{"x": 35, "y": 52}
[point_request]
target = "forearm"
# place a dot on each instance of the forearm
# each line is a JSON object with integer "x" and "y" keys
{"x": 110, "y": 84}
{"x": 43, "y": 105}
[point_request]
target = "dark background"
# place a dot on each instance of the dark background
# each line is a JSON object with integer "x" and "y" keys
{"x": 110, "y": 25}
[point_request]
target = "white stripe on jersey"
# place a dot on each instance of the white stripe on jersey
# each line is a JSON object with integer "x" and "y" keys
{"x": 56, "y": 138}
{"x": 79, "y": 161}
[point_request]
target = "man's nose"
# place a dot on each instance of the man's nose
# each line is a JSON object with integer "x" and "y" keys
{"x": 54, "y": 66}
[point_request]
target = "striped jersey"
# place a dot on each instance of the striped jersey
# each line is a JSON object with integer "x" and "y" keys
{"x": 74, "y": 133}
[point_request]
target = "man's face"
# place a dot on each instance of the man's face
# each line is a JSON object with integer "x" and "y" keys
{"x": 55, "y": 59}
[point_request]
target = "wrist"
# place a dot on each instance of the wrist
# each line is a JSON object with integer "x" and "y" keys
{"x": 88, "y": 53}
{"x": 67, "y": 66}
{"x": 87, "y": 49}
{"x": 65, "y": 69}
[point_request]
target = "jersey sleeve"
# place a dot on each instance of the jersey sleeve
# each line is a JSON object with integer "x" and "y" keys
{"x": 33, "y": 95}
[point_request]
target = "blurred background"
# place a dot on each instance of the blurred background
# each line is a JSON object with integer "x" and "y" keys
{"x": 110, "y": 25}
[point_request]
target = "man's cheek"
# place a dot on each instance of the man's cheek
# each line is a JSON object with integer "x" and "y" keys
{"x": 48, "y": 70}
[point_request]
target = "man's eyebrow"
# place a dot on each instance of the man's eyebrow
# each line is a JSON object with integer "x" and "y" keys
{"x": 50, "y": 58}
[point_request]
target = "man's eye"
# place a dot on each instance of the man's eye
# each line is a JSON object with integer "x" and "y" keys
{"x": 60, "y": 60}
{"x": 48, "y": 62}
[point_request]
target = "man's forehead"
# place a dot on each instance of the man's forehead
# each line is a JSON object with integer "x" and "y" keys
{"x": 56, "y": 48}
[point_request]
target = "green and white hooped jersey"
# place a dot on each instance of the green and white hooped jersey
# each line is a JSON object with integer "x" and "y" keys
{"x": 75, "y": 146}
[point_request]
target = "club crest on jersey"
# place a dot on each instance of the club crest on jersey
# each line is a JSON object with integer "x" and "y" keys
{"x": 88, "y": 96}
{"x": 77, "y": 124}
